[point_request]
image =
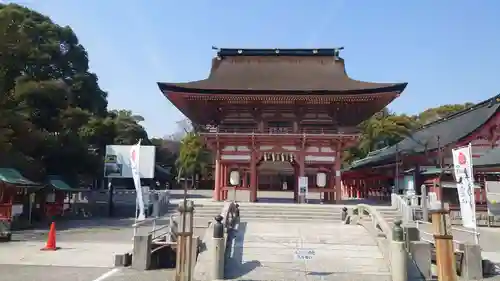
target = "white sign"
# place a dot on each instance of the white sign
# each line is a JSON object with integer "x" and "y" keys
{"x": 303, "y": 186}
{"x": 493, "y": 197}
{"x": 134, "y": 165}
{"x": 304, "y": 254}
{"x": 117, "y": 161}
{"x": 464, "y": 175}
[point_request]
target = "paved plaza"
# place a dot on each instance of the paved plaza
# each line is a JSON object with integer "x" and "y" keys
{"x": 263, "y": 251}
{"x": 259, "y": 251}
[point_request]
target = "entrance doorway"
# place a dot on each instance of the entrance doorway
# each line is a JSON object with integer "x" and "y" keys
{"x": 276, "y": 182}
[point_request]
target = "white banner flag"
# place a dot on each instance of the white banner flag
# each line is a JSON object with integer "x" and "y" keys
{"x": 134, "y": 165}
{"x": 464, "y": 175}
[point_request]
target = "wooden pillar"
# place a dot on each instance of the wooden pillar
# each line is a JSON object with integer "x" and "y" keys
{"x": 301, "y": 163}
{"x": 245, "y": 178}
{"x": 336, "y": 168}
{"x": 296, "y": 182}
{"x": 352, "y": 188}
{"x": 302, "y": 171}
{"x": 225, "y": 174}
{"x": 217, "y": 174}
{"x": 345, "y": 189}
{"x": 356, "y": 190}
{"x": 325, "y": 194}
{"x": 362, "y": 187}
{"x": 331, "y": 196}
{"x": 361, "y": 191}
{"x": 253, "y": 177}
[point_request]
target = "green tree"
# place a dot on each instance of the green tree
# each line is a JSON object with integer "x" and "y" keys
{"x": 53, "y": 114}
{"x": 193, "y": 157}
{"x": 435, "y": 113}
{"x": 128, "y": 129}
{"x": 383, "y": 129}
{"x": 386, "y": 128}
{"x": 165, "y": 157}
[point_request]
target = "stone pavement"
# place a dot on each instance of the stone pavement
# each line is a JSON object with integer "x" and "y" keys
{"x": 57, "y": 273}
{"x": 263, "y": 251}
{"x": 53, "y": 273}
{"x": 74, "y": 254}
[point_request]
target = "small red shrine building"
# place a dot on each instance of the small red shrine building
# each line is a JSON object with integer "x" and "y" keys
{"x": 279, "y": 114}
{"x": 419, "y": 155}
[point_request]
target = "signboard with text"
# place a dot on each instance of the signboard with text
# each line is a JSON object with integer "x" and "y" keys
{"x": 303, "y": 186}
{"x": 304, "y": 254}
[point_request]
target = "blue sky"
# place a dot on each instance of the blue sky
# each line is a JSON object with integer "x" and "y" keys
{"x": 448, "y": 50}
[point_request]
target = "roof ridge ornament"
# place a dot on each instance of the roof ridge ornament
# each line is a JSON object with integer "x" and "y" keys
{"x": 494, "y": 100}
{"x": 217, "y": 54}
{"x": 322, "y": 52}
{"x": 336, "y": 52}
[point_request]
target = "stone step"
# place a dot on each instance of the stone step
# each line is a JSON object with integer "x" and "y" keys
{"x": 298, "y": 213}
{"x": 289, "y": 220}
{"x": 270, "y": 211}
{"x": 388, "y": 212}
{"x": 291, "y": 206}
{"x": 329, "y": 211}
{"x": 287, "y": 215}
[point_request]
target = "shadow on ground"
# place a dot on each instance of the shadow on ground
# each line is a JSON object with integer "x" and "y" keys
{"x": 234, "y": 265}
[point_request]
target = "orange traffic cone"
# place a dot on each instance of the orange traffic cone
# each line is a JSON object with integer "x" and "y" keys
{"x": 51, "y": 240}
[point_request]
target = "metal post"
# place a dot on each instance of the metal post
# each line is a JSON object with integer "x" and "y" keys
{"x": 111, "y": 190}
{"x": 399, "y": 254}
{"x": 445, "y": 257}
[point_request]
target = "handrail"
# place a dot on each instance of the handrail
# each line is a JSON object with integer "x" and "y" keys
{"x": 432, "y": 241}
{"x": 376, "y": 218}
{"x": 405, "y": 206}
{"x": 245, "y": 132}
{"x": 161, "y": 200}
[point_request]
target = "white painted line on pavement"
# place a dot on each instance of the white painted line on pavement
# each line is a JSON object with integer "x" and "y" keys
{"x": 107, "y": 274}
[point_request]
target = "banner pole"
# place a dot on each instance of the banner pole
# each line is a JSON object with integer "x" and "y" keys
{"x": 476, "y": 233}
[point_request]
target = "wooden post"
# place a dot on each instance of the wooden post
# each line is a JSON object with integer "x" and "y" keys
{"x": 445, "y": 257}
{"x": 253, "y": 177}
{"x": 296, "y": 183}
{"x": 301, "y": 174}
{"x": 338, "y": 179}
{"x": 224, "y": 181}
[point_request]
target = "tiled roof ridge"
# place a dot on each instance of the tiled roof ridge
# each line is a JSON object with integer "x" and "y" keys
{"x": 322, "y": 52}
{"x": 486, "y": 102}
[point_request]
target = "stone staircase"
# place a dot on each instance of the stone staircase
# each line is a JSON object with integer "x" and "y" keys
{"x": 289, "y": 212}
{"x": 390, "y": 215}
{"x": 204, "y": 212}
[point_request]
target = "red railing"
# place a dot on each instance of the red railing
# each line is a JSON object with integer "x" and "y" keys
{"x": 279, "y": 131}
{"x": 5, "y": 211}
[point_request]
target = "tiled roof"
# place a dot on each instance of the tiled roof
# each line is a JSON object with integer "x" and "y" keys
{"x": 442, "y": 132}
{"x": 14, "y": 177}
{"x": 289, "y": 70}
{"x": 489, "y": 159}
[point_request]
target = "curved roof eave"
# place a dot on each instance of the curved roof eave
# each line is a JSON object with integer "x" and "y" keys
{"x": 188, "y": 88}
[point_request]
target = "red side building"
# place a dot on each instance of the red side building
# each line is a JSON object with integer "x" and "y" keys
{"x": 425, "y": 157}
{"x": 277, "y": 114}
